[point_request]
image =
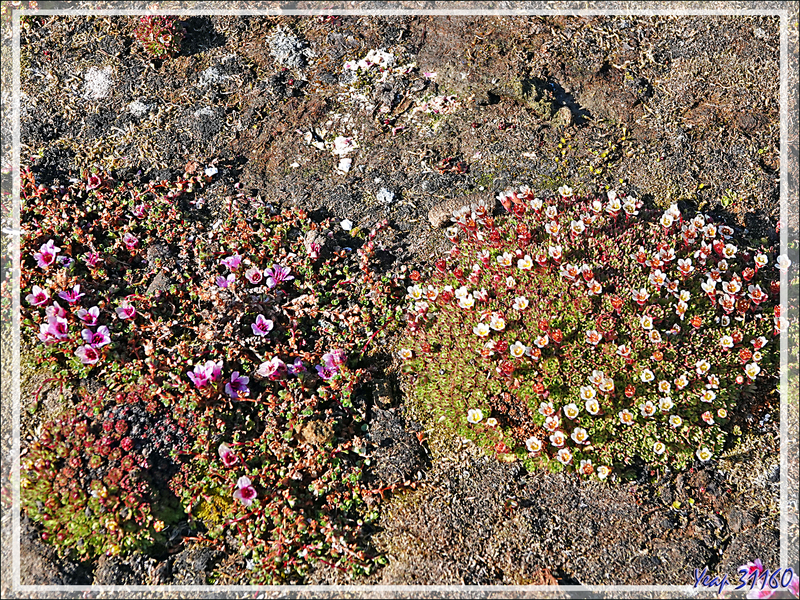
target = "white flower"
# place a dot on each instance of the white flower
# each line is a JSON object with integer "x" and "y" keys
{"x": 704, "y": 454}
{"x": 571, "y": 410}
{"x": 708, "y": 396}
{"x": 558, "y": 439}
{"x": 577, "y": 227}
{"x": 565, "y": 191}
{"x": 555, "y": 252}
{"x": 533, "y": 444}
{"x": 517, "y": 349}
{"x": 648, "y": 409}
{"x": 726, "y": 342}
{"x": 564, "y": 456}
{"x": 761, "y": 260}
{"x": 647, "y": 322}
{"x": 474, "y": 415}
{"x": 343, "y": 145}
{"x": 461, "y": 292}
{"x": 405, "y": 353}
{"x": 626, "y": 417}
{"x": 520, "y": 303}
{"x": 702, "y": 367}
{"x": 647, "y": 376}
{"x": 580, "y": 436}
{"x": 665, "y": 404}
{"x": 467, "y": 302}
{"x": 729, "y": 251}
{"x": 525, "y": 264}
{"x": 511, "y": 282}
{"x": 414, "y": 292}
{"x": 603, "y": 472}
{"x": 504, "y": 259}
{"x": 497, "y": 323}
{"x": 592, "y": 407}
{"x": 587, "y": 392}
{"x": 783, "y": 262}
{"x": 481, "y": 329}
{"x": 675, "y": 421}
{"x": 752, "y": 370}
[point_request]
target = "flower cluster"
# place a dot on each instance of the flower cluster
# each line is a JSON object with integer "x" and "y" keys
{"x": 160, "y": 36}
{"x": 266, "y": 364}
{"x": 593, "y": 331}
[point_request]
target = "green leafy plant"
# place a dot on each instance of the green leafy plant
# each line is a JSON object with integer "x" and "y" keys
{"x": 87, "y": 478}
{"x": 585, "y": 333}
{"x": 160, "y": 36}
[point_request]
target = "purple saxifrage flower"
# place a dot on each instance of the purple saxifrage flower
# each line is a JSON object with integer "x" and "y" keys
{"x": 88, "y": 355}
{"x": 254, "y": 276}
{"x": 224, "y": 282}
{"x": 232, "y": 262}
{"x": 71, "y": 296}
{"x": 237, "y": 386}
{"x": 126, "y": 310}
{"x": 47, "y": 254}
{"x": 205, "y": 374}
{"x": 130, "y": 241}
{"x": 262, "y": 326}
{"x": 37, "y": 297}
{"x": 55, "y": 310}
{"x": 326, "y": 372}
{"x": 277, "y": 274}
{"x": 297, "y": 367}
{"x": 92, "y": 259}
{"x": 273, "y": 369}
{"x": 89, "y": 316}
{"x": 226, "y": 454}
{"x": 245, "y": 492}
{"x": 93, "y": 182}
{"x": 334, "y": 359}
{"x": 97, "y": 339}
{"x": 58, "y": 328}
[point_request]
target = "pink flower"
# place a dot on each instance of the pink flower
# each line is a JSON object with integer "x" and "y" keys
{"x": 88, "y": 355}
{"x": 273, "y": 369}
{"x": 205, "y": 374}
{"x": 55, "y": 311}
{"x": 245, "y": 492}
{"x": 224, "y": 282}
{"x": 89, "y": 316}
{"x": 93, "y": 182}
{"x": 254, "y": 276}
{"x": 326, "y": 372}
{"x": 71, "y": 296}
{"x": 92, "y": 258}
{"x": 37, "y": 297}
{"x": 297, "y": 367}
{"x": 334, "y": 359}
{"x": 226, "y": 454}
{"x": 232, "y": 262}
{"x": 139, "y": 210}
{"x": 126, "y": 310}
{"x": 58, "y": 328}
{"x": 262, "y": 326}
{"x": 47, "y": 254}
{"x": 237, "y": 386}
{"x": 277, "y": 274}
{"x": 130, "y": 241}
{"x": 97, "y": 339}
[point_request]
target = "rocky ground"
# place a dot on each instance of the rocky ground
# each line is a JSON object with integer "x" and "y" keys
{"x": 671, "y": 109}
